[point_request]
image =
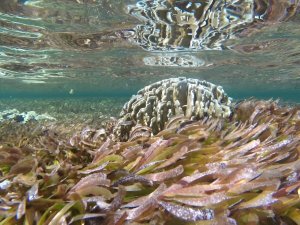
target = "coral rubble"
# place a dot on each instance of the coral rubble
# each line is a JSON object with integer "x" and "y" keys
{"x": 24, "y": 117}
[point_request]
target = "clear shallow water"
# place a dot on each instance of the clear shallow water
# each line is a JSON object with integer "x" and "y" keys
{"x": 70, "y": 60}
{"x": 68, "y": 48}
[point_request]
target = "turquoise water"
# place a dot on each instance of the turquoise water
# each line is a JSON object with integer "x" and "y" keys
{"x": 67, "y": 154}
{"x": 69, "y": 49}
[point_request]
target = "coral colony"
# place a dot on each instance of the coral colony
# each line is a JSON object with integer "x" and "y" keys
{"x": 157, "y": 103}
{"x": 188, "y": 156}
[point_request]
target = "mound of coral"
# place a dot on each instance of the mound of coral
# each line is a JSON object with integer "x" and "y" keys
{"x": 156, "y": 104}
{"x": 238, "y": 170}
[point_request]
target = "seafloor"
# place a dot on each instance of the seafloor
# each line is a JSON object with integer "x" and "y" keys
{"x": 65, "y": 109}
{"x": 71, "y": 115}
{"x": 239, "y": 170}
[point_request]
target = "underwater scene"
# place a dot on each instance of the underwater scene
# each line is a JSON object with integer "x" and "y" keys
{"x": 149, "y": 112}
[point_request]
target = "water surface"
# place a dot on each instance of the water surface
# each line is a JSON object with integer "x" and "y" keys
{"x": 69, "y": 49}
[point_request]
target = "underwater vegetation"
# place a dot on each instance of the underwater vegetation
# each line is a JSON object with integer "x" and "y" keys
{"x": 243, "y": 169}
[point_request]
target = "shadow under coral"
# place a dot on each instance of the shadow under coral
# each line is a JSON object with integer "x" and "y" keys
{"x": 240, "y": 170}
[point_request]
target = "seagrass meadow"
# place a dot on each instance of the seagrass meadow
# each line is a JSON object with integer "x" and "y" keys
{"x": 181, "y": 150}
{"x": 239, "y": 170}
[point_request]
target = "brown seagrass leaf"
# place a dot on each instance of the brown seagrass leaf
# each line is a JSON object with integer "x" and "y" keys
{"x": 162, "y": 176}
{"x": 174, "y": 158}
{"x": 102, "y": 151}
{"x": 61, "y": 215}
{"x": 97, "y": 169}
{"x": 192, "y": 127}
{"x": 133, "y": 164}
{"x": 171, "y": 149}
{"x": 147, "y": 203}
{"x": 263, "y": 199}
{"x": 166, "y": 132}
{"x": 132, "y": 178}
{"x": 241, "y": 175}
{"x": 149, "y": 166}
{"x": 153, "y": 150}
{"x": 240, "y": 151}
{"x": 220, "y": 218}
{"x": 86, "y": 216}
{"x": 187, "y": 213}
{"x": 238, "y": 133}
{"x": 286, "y": 190}
{"x": 175, "y": 121}
{"x": 21, "y": 210}
{"x": 96, "y": 179}
{"x": 132, "y": 151}
{"x": 118, "y": 199}
{"x": 146, "y": 208}
{"x": 93, "y": 191}
{"x": 24, "y": 165}
{"x": 268, "y": 151}
{"x": 135, "y": 203}
{"x": 257, "y": 110}
{"x": 254, "y": 185}
{"x": 194, "y": 191}
{"x": 284, "y": 143}
{"x": 219, "y": 172}
{"x": 279, "y": 170}
{"x": 203, "y": 200}
{"x": 197, "y": 176}
{"x": 280, "y": 157}
{"x": 119, "y": 219}
{"x": 233, "y": 162}
{"x": 231, "y": 129}
{"x": 27, "y": 179}
{"x": 13, "y": 151}
{"x": 116, "y": 218}
{"x": 214, "y": 125}
{"x": 10, "y": 156}
{"x": 256, "y": 131}
{"x": 294, "y": 214}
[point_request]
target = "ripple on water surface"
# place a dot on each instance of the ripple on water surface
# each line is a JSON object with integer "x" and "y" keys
{"x": 251, "y": 48}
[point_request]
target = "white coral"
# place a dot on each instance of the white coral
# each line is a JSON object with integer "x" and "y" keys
{"x": 155, "y": 104}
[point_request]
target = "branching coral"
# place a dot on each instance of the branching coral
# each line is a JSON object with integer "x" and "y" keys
{"x": 242, "y": 170}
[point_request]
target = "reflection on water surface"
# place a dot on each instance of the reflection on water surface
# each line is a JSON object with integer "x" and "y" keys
{"x": 198, "y": 25}
{"x": 51, "y": 47}
{"x": 184, "y": 25}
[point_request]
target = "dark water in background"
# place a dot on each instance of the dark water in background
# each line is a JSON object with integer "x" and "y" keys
{"x": 67, "y": 48}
